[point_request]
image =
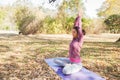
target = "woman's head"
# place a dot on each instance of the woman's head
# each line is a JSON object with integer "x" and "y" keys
{"x": 75, "y": 32}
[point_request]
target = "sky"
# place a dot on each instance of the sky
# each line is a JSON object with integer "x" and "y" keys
{"x": 90, "y": 5}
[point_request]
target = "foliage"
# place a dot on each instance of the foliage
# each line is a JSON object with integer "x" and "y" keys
{"x": 49, "y": 25}
{"x": 2, "y": 15}
{"x": 53, "y": 25}
{"x": 62, "y": 23}
{"x": 113, "y": 23}
{"x": 21, "y": 14}
{"x": 86, "y": 22}
{"x": 109, "y": 7}
{"x": 23, "y": 17}
{"x": 28, "y": 19}
{"x": 110, "y": 11}
{"x": 69, "y": 24}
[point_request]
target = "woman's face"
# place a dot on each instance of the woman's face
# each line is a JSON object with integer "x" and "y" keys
{"x": 74, "y": 33}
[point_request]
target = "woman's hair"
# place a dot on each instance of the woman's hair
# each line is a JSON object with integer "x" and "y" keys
{"x": 83, "y": 31}
{"x": 76, "y": 28}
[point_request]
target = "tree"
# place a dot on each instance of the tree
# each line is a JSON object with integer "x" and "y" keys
{"x": 67, "y": 9}
{"x": 109, "y": 7}
{"x": 113, "y": 23}
{"x": 50, "y": 1}
{"x": 25, "y": 17}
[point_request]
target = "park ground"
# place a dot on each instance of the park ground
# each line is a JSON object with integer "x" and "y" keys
{"x": 22, "y": 57}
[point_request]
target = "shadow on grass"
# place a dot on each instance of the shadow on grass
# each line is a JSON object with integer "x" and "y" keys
{"x": 8, "y": 34}
{"x": 4, "y": 48}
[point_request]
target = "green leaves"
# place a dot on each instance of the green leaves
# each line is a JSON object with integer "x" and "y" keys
{"x": 2, "y": 15}
{"x": 86, "y": 22}
{"x": 113, "y": 22}
{"x": 111, "y": 10}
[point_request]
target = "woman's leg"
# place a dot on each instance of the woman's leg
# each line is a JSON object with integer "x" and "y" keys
{"x": 72, "y": 68}
{"x": 61, "y": 61}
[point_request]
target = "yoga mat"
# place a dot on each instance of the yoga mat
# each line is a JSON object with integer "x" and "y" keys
{"x": 83, "y": 74}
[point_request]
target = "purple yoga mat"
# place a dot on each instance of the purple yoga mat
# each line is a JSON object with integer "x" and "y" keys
{"x": 83, "y": 74}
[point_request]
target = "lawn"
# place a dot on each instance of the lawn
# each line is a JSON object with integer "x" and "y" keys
{"x": 22, "y": 57}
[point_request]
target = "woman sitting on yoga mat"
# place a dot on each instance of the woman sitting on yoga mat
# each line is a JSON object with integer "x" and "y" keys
{"x": 73, "y": 64}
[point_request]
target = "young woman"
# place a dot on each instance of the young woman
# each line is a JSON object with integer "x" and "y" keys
{"x": 73, "y": 63}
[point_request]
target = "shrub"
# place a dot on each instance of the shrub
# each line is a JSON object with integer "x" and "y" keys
{"x": 27, "y": 20}
{"x": 113, "y": 23}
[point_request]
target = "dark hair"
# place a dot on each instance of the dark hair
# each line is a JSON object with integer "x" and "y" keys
{"x": 76, "y": 28}
{"x": 83, "y": 31}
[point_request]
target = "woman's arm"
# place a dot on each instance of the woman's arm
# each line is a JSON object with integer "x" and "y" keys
{"x": 78, "y": 23}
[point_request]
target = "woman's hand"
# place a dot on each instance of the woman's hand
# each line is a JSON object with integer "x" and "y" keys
{"x": 80, "y": 13}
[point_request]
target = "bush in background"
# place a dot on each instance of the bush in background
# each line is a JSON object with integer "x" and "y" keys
{"x": 28, "y": 20}
{"x": 113, "y": 23}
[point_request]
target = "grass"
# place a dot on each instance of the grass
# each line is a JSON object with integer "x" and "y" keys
{"x": 22, "y": 57}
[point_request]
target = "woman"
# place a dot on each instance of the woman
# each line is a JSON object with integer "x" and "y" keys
{"x": 73, "y": 64}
